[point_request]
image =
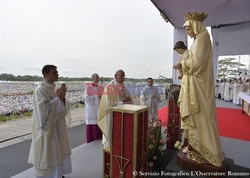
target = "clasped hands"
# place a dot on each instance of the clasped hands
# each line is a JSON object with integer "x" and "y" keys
{"x": 126, "y": 99}
{"x": 61, "y": 92}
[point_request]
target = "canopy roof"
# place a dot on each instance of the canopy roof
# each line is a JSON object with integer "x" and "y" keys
{"x": 220, "y": 12}
{"x": 233, "y": 40}
{"x": 229, "y": 19}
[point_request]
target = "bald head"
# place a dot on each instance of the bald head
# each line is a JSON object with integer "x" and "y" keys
{"x": 119, "y": 72}
{"x": 95, "y": 78}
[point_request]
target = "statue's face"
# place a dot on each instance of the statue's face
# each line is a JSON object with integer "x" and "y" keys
{"x": 190, "y": 31}
{"x": 180, "y": 50}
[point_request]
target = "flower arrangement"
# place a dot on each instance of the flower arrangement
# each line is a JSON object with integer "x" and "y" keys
{"x": 157, "y": 139}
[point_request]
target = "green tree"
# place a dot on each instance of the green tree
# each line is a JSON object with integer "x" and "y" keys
{"x": 7, "y": 77}
{"x": 228, "y": 68}
{"x": 10, "y": 77}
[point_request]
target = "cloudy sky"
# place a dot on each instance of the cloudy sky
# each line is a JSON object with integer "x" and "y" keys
{"x": 85, "y": 36}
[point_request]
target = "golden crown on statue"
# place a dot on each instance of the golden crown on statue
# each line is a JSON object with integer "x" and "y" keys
{"x": 195, "y": 16}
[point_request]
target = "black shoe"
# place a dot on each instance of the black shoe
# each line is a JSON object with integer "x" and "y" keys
{"x": 63, "y": 177}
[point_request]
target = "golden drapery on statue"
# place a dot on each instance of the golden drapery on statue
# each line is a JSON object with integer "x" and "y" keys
{"x": 197, "y": 98}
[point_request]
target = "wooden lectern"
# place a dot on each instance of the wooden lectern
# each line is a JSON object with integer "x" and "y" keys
{"x": 128, "y": 142}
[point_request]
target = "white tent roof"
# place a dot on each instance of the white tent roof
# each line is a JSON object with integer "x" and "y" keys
{"x": 234, "y": 39}
{"x": 229, "y": 19}
{"x": 220, "y": 12}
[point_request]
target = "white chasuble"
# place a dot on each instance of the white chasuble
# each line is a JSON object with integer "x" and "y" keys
{"x": 150, "y": 97}
{"x": 113, "y": 95}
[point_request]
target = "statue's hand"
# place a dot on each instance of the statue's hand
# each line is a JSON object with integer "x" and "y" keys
{"x": 178, "y": 66}
{"x": 180, "y": 77}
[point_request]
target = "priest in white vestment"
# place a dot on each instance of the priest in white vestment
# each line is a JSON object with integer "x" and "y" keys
{"x": 50, "y": 148}
{"x": 221, "y": 89}
{"x": 197, "y": 96}
{"x": 92, "y": 95}
{"x": 235, "y": 90}
{"x": 217, "y": 84}
{"x": 248, "y": 85}
{"x": 150, "y": 97}
{"x": 114, "y": 94}
{"x": 242, "y": 87}
{"x": 228, "y": 92}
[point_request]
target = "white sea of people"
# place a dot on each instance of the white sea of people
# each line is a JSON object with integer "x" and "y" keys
{"x": 228, "y": 89}
{"x": 18, "y": 96}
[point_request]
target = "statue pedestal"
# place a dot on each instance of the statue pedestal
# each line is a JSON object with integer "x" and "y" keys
{"x": 189, "y": 165}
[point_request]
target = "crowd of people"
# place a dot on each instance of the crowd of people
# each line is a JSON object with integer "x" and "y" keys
{"x": 229, "y": 89}
{"x": 15, "y": 103}
{"x": 16, "y": 97}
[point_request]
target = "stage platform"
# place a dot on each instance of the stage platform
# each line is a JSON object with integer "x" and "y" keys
{"x": 87, "y": 159}
{"x": 87, "y": 162}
